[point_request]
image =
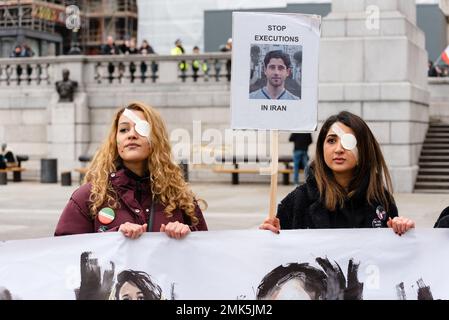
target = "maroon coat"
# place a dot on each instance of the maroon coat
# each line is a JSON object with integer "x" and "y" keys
{"x": 134, "y": 207}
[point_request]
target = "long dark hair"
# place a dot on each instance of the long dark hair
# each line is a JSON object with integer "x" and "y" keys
{"x": 327, "y": 284}
{"x": 150, "y": 290}
{"x": 371, "y": 172}
{"x": 314, "y": 280}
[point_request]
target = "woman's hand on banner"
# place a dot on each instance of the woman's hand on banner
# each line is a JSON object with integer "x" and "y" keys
{"x": 175, "y": 229}
{"x": 271, "y": 224}
{"x": 132, "y": 230}
{"x": 400, "y": 225}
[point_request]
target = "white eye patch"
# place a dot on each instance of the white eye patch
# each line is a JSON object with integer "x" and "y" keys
{"x": 348, "y": 140}
{"x": 142, "y": 127}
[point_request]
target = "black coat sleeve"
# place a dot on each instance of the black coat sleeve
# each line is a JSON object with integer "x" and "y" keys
{"x": 285, "y": 211}
{"x": 291, "y": 209}
{"x": 443, "y": 219}
{"x": 393, "y": 212}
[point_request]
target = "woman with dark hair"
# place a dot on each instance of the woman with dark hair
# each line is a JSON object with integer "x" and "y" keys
{"x": 348, "y": 186}
{"x": 135, "y": 285}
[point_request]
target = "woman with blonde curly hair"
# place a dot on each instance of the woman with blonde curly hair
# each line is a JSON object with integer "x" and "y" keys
{"x": 133, "y": 184}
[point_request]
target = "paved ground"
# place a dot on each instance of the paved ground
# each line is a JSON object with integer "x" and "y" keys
{"x": 31, "y": 209}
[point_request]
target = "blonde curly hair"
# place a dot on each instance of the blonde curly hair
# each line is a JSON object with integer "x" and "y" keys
{"x": 166, "y": 179}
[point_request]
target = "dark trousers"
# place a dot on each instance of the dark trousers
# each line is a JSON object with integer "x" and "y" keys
{"x": 300, "y": 160}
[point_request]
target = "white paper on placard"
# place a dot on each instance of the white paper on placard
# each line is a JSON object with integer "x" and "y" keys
{"x": 275, "y": 96}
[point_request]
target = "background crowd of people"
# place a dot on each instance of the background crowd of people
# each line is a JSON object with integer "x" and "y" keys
{"x": 437, "y": 70}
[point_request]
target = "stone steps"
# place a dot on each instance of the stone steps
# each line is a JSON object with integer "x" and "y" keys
{"x": 433, "y": 165}
{"x": 439, "y": 130}
{"x": 433, "y": 174}
{"x": 431, "y": 146}
{"x": 432, "y": 185}
{"x": 436, "y": 152}
{"x": 434, "y": 171}
{"x": 437, "y": 135}
{"x": 431, "y": 190}
{"x": 436, "y": 140}
{"x": 434, "y": 159}
{"x": 432, "y": 178}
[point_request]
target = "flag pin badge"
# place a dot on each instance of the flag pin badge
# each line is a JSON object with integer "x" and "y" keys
{"x": 106, "y": 215}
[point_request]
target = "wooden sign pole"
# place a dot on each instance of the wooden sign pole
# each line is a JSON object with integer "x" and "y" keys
{"x": 274, "y": 143}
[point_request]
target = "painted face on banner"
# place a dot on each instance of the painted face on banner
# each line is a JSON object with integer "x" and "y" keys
{"x": 276, "y": 72}
{"x": 293, "y": 289}
{"x": 129, "y": 291}
{"x": 340, "y": 156}
{"x": 132, "y": 146}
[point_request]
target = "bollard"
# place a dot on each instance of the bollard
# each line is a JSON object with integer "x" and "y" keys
{"x": 184, "y": 165}
{"x": 66, "y": 178}
{"x": 3, "y": 178}
{"x": 285, "y": 178}
{"x": 17, "y": 174}
{"x": 235, "y": 175}
{"x": 49, "y": 169}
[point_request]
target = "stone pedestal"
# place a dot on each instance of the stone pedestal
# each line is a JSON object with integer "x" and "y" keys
{"x": 439, "y": 102}
{"x": 373, "y": 63}
{"x": 68, "y": 131}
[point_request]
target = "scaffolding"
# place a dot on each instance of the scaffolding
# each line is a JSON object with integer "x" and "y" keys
{"x": 99, "y": 19}
{"x": 42, "y": 16}
{"x": 107, "y": 18}
{"x": 39, "y": 24}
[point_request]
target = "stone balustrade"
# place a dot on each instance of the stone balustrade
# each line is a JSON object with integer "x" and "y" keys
{"x": 25, "y": 71}
{"x": 118, "y": 69}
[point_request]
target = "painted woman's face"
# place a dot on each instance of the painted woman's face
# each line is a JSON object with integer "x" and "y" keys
{"x": 293, "y": 289}
{"x": 337, "y": 158}
{"x": 129, "y": 291}
{"x": 131, "y": 146}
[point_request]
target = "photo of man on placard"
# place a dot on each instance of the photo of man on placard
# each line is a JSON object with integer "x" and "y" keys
{"x": 274, "y": 75}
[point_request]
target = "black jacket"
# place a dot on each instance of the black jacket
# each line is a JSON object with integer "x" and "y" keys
{"x": 107, "y": 49}
{"x": 443, "y": 220}
{"x": 301, "y": 140}
{"x": 303, "y": 209}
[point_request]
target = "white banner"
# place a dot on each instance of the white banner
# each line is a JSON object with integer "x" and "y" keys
{"x": 275, "y": 71}
{"x": 245, "y": 265}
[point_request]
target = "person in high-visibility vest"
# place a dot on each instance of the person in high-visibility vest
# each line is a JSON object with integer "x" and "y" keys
{"x": 197, "y": 65}
{"x": 179, "y": 50}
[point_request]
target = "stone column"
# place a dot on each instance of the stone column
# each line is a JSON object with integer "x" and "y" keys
{"x": 444, "y": 6}
{"x": 373, "y": 63}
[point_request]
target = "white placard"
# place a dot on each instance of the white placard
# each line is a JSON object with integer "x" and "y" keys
{"x": 235, "y": 264}
{"x": 274, "y": 83}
